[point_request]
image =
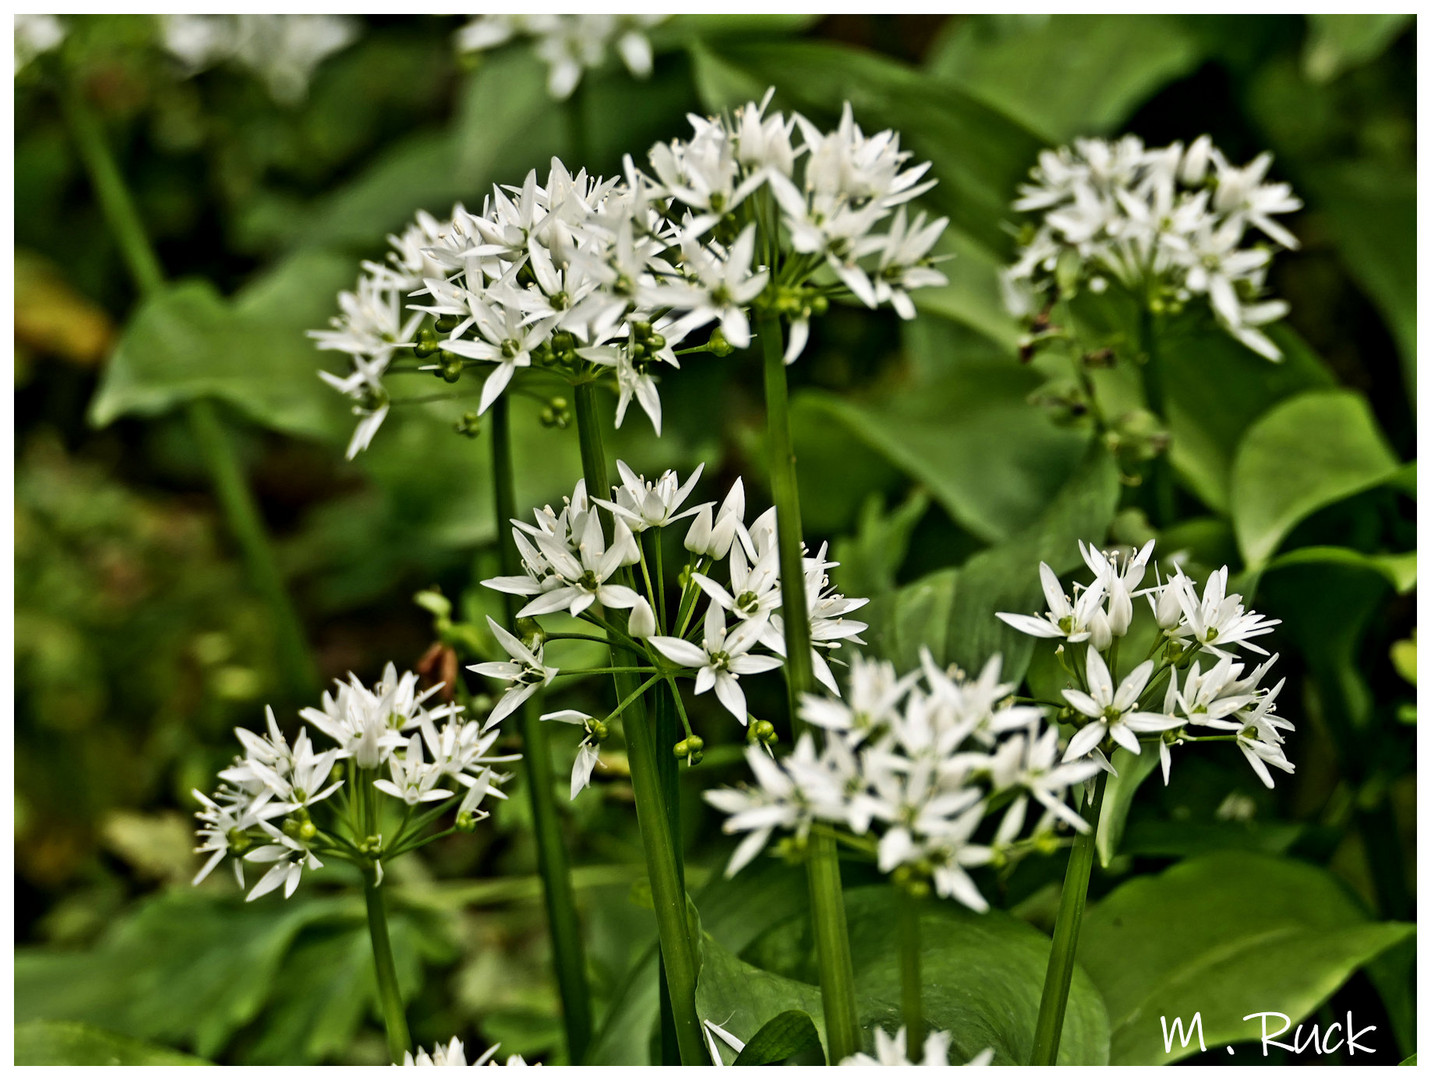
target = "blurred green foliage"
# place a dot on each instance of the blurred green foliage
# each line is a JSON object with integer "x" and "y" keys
{"x": 928, "y": 456}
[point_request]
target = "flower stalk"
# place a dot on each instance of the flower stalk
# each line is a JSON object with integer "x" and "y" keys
{"x": 827, "y": 901}
{"x": 911, "y": 996}
{"x": 230, "y": 487}
{"x": 389, "y": 995}
{"x": 1054, "y": 1002}
{"x": 553, "y": 864}
{"x": 652, "y": 817}
{"x": 1161, "y": 467}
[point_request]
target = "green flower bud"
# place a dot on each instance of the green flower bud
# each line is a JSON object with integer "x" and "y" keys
{"x": 427, "y": 344}
{"x": 446, "y": 324}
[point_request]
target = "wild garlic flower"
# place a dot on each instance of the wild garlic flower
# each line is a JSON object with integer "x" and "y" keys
{"x": 716, "y": 628}
{"x": 283, "y": 51}
{"x": 429, "y": 755}
{"x": 913, "y": 764}
{"x": 570, "y": 45}
{"x": 581, "y": 278}
{"x": 1167, "y": 224}
{"x": 1191, "y": 679}
{"x": 455, "y": 1054}
{"x": 891, "y": 1050}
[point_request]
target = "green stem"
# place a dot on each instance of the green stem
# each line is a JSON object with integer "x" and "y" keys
{"x": 657, "y": 838}
{"x": 389, "y": 996}
{"x": 230, "y": 486}
{"x": 1161, "y": 471}
{"x": 1056, "y": 982}
{"x": 827, "y": 901}
{"x": 911, "y": 998}
{"x": 553, "y": 863}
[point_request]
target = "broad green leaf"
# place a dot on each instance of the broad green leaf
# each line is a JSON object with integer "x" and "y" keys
{"x": 1226, "y": 935}
{"x": 1216, "y": 389}
{"x": 1303, "y": 455}
{"x": 1065, "y": 75}
{"x": 962, "y": 427}
{"x": 971, "y": 297}
{"x": 51, "y": 1042}
{"x": 1371, "y": 213}
{"x": 506, "y": 122}
{"x": 687, "y": 29}
{"x": 871, "y": 558}
{"x": 193, "y": 968}
{"x": 1399, "y": 570}
{"x": 419, "y": 173}
{"x": 734, "y": 911}
{"x": 951, "y": 612}
{"x": 187, "y": 342}
{"x": 1338, "y": 43}
{"x": 935, "y": 122}
{"x": 1326, "y": 601}
{"x": 1132, "y": 770}
{"x": 982, "y": 976}
{"x": 1181, "y": 839}
{"x": 742, "y": 998}
{"x": 790, "y": 1034}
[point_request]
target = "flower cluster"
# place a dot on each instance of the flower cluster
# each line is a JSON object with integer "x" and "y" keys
{"x": 453, "y": 1054}
{"x": 571, "y": 564}
{"x": 389, "y": 755}
{"x": 1191, "y": 680}
{"x": 581, "y": 278}
{"x": 569, "y": 44}
{"x": 282, "y": 50}
{"x": 1168, "y": 224}
{"x": 914, "y": 764}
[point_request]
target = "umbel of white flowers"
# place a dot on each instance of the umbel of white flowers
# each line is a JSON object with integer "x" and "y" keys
{"x": 282, "y": 50}
{"x": 1191, "y": 688}
{"x": 1169, "y": 224}
{"x": 616, "y": 279}
{"x": 388, "y": 749}
{"x": 569, "y": 563}
{"x": 568, "y": 44}
{"x": 914, "y": 763}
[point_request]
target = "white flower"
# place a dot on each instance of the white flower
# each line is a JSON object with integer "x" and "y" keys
{"x": 584, "y": 573}
{"x": 718, "y": 288}
{"x": 1217, "y": 621}
{"x": 1120, "y": 582}
{"x": 289, "y": 857}
{"x": 721, "y": 658}
{"x": 587, "y": 754}
{"x": 645, "y": 505}
{"x": 774, "y": 802}
{"x": 413, "y": 779}
{"x": 1065, "y": 618}
{"x": 1113, "y": 712}
{"x": 525, "y": 671}
{"x": 714, "y": 538}
{"x": 453, "y": 1054}
{"x": 220, "y": 823}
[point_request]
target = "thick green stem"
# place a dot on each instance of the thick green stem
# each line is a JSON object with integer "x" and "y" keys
{"x": 1056, "y": 982}
{"x": 568, "y": 956}
{"x": 827, "y": 901}
{"x": 1161, "y": 469}
{"x": 230, "y": 486}
{"x": 389, "y": 996}
{"x": 911, "y": 995}
{"x": 657, "y": 838}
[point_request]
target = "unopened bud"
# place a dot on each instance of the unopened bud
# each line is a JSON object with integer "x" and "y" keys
{"x": 642, "y": 623}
